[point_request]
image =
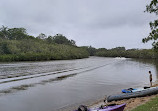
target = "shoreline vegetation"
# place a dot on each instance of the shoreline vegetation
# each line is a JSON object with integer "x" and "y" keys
{"x": 17, "y": 45}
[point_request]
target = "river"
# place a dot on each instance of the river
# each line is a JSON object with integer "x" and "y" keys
{"x": 64, "y": 84}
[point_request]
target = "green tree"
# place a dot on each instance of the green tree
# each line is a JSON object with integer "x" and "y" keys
{"x": 42, "y": 36}
{"x": 14, "y": 33}
{"x": 91, "y": 50}
{"x": 73, "y": 42}
{"x": 119, "y": 49}
{"x": 153, "y": 35}
{"x": 4, "y": 32}
{"x": 49, "y": 39}
{"x": 60, "y": 39}
{"x": 17, "y": 33}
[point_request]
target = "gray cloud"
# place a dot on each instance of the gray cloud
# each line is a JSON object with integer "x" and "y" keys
{"x": 100, "y": 23}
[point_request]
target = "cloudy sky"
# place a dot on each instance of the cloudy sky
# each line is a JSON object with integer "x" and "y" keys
{"x": 99, "y": 23}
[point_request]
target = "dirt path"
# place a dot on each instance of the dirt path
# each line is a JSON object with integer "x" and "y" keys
{"x": 130, "y": 103}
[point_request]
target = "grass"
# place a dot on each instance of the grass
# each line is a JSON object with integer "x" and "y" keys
{"x": 152, "y": 105}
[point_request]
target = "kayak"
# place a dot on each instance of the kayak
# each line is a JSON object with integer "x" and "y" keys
{"x": 141, "y": 93}
{"x": 106, "y": 108}
{"x": 130, "y": 90}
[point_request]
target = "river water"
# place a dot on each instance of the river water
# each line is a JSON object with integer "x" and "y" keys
{"x": 64, "y": 84}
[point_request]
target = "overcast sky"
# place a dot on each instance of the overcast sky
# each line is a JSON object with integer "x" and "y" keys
{"x": 99, "y": 23}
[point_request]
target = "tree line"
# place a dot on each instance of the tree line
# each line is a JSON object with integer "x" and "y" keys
{"x": 17, "y": 45}
{"x": 130, "y": 53}
{"x": 21, "y": 34}
{"x": 122, "y": 52}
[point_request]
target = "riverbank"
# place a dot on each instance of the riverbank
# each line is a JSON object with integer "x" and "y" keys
{"x": 130, "y": 103}
{"x": 152, "y": 105}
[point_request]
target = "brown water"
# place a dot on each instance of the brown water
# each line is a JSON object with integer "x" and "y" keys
{"x": 55, "y": 85}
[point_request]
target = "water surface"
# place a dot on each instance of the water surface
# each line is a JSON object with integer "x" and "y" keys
{"x": 55, "y": 85}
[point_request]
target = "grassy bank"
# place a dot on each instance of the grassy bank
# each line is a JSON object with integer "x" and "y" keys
{"x": 152, "y": 105}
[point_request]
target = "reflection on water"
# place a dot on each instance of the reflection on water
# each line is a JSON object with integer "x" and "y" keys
{"x": 48, "y": 86}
